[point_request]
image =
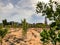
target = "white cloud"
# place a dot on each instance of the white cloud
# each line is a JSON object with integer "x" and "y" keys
{"x": 24, "y": 9}
{"x": 9, "y": 6}
{"x": 7, "y": 11}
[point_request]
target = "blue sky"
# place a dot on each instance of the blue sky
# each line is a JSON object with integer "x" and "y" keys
{"x": 17, "y": 10}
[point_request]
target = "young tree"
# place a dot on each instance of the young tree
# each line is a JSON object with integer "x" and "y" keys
{"x": 3, "y": 33}
{"x": 52, "y": 11}
{"x": 25, "y": 27}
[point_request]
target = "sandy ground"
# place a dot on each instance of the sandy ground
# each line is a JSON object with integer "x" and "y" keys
{"x": 14, "y": 37}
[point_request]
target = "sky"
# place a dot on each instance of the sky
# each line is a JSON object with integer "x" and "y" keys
{"x": 17, "y": 10}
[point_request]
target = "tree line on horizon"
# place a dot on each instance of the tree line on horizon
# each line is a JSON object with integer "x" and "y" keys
{"x": 16, "y": 24}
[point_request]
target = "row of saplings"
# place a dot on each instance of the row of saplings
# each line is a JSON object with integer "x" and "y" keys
{"x": 47, "y": 36}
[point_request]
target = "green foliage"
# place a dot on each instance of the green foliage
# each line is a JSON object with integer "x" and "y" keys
{"x": 4, "y": 22}
{"x": 53, "y": 24}
{"x": 58, "y": 36}
{"x": 3, "y": 33}
{"x": 24, "y": 26}
{"x": 44, "y": 36}
{"x": 53, "y": 37}
{"x": 49, "y": 36}
{"x": 47, "y": 10}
